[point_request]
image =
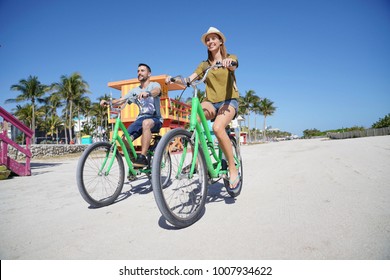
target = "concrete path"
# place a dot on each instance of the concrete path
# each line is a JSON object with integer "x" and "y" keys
{"x": 302, "y": 199}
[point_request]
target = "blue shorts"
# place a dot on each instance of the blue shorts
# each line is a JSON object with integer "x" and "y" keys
{"x": 230, "y": 102}
{"x": 135, "y": 129}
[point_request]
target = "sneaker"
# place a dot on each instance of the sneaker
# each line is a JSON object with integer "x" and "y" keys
{"x": 141, "y": 162}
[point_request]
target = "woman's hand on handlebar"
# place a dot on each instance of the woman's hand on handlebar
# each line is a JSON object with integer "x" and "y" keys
{"x": 229, "y": 63}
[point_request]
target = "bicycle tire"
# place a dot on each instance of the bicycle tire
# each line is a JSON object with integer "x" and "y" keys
{"x": 166, "y": 169}
{"x": 166, "y": 165}
{"x": 97, "y": 188}
{"x": 236, "y": 154}
{"x": 182, "y": 200}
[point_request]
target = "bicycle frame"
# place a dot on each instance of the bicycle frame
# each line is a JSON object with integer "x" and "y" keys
{"x": 195, "y": 164}
{"x": 117, "y": 139}
{"x": 202, "y": 135}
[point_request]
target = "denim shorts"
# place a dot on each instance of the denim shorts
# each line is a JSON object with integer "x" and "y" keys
{"x": 135, "y": 129}
{"x": 231, "y": 102}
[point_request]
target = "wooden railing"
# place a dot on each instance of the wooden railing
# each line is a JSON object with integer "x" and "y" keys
{"x": 21, "y": 169}
{"x": 174, "y": 113}
{"x": 171, "y": 110}
{"x": 175, "y": 110}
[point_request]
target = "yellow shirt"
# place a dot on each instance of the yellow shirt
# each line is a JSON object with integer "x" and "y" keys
{"x": 220, "y": 82}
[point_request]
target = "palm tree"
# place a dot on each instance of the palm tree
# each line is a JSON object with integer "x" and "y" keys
{"x": 31, "y": 90}
{"x": 25, "y": 114}
{"x": 267, "y": 108}
{"x": 70, "y": 88}
{"x": 83, "y": 105}
{"x": 53, "y": 124}
{"x": 256, "y": 110}
{"x": 53, "y": 102}
{"x": 100, "y": 112}
{"x": 247, "y": 104}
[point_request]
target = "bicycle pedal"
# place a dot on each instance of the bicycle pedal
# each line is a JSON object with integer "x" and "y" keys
{"x": 131, "y": 177}
{"x": 224, "y": 176}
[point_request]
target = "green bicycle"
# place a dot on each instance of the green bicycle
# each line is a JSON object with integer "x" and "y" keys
{"x": 196, "y": 162}
{"x": 101, "y": 171}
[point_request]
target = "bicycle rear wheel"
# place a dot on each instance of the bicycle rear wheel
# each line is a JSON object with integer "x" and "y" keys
{"x": 166, "y": 169}
{"x": 98, "y": 186}
{"x": 181, "y": 200}
{"x": 239, "y": 166}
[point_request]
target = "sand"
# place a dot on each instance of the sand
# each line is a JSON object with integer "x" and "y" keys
{"x": 303, "y": 199}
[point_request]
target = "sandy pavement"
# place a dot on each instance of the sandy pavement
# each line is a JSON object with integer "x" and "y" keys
{"x": 302, "y": 199}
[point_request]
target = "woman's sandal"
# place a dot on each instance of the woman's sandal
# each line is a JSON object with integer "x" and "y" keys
{"x": 237, "y": 184}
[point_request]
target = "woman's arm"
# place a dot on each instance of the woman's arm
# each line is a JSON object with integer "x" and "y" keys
{"x": 179, "y": 81}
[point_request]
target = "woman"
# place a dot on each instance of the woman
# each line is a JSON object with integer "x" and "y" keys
{"x": 221, "y": 103}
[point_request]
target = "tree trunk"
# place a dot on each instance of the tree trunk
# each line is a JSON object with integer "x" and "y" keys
{"x": 66, "y": 134}
{"x": 33, "y": 123}
{"x": 249, "y": 129}
{"x": 70, "y": 121}
{"x": 255, "y": 130}
{"x": 79, "y": 123}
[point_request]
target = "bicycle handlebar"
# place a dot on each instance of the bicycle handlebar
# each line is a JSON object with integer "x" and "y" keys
{"x": 195, "y": 82}
{"x": 132, "y": 99}
{"x": 116, "y": 107}
{"x": 234, "y": 63}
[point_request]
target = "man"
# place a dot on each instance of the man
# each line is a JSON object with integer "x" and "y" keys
{"x": 149, "y": 119}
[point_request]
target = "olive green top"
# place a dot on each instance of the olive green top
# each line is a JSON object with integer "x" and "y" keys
{"x": 220, "y": 82}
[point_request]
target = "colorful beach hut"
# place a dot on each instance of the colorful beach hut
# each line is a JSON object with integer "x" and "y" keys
{"x": 174, "y": 112}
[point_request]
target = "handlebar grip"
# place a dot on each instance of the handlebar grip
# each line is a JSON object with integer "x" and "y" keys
{"x": 233, "y": 63}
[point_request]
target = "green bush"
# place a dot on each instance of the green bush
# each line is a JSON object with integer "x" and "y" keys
{"x": 385, "y": 122}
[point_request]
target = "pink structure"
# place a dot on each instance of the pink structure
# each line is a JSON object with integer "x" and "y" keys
{"x": 21, "y": 169}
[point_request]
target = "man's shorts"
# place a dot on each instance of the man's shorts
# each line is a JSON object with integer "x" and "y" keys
{"x": 135, "y": 129}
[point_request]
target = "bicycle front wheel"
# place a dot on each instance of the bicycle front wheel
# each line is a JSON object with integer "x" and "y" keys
{"x": 99, "y": 182}
{"x": 182, "y": 198}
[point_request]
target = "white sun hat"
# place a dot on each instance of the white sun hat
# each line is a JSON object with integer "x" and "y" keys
{"x": 212, "y": 30}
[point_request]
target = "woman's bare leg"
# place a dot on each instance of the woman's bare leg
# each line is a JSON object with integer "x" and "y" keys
{"x": 224, "y": 116}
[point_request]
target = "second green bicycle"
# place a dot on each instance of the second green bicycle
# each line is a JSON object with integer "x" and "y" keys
{"x": 196, "y": 163}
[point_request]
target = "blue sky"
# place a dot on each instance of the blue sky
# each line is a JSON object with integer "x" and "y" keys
{"x": 324, "y": 63}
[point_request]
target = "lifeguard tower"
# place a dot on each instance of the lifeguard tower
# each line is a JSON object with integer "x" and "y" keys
{"x": 175, "y": 113}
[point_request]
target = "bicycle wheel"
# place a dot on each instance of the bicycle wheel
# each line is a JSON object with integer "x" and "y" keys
{"x": 182, "y": 199}
{"x": 97, "y": 186}
{"x": 238, "y": 162}
{"x": 166, "y": 169}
